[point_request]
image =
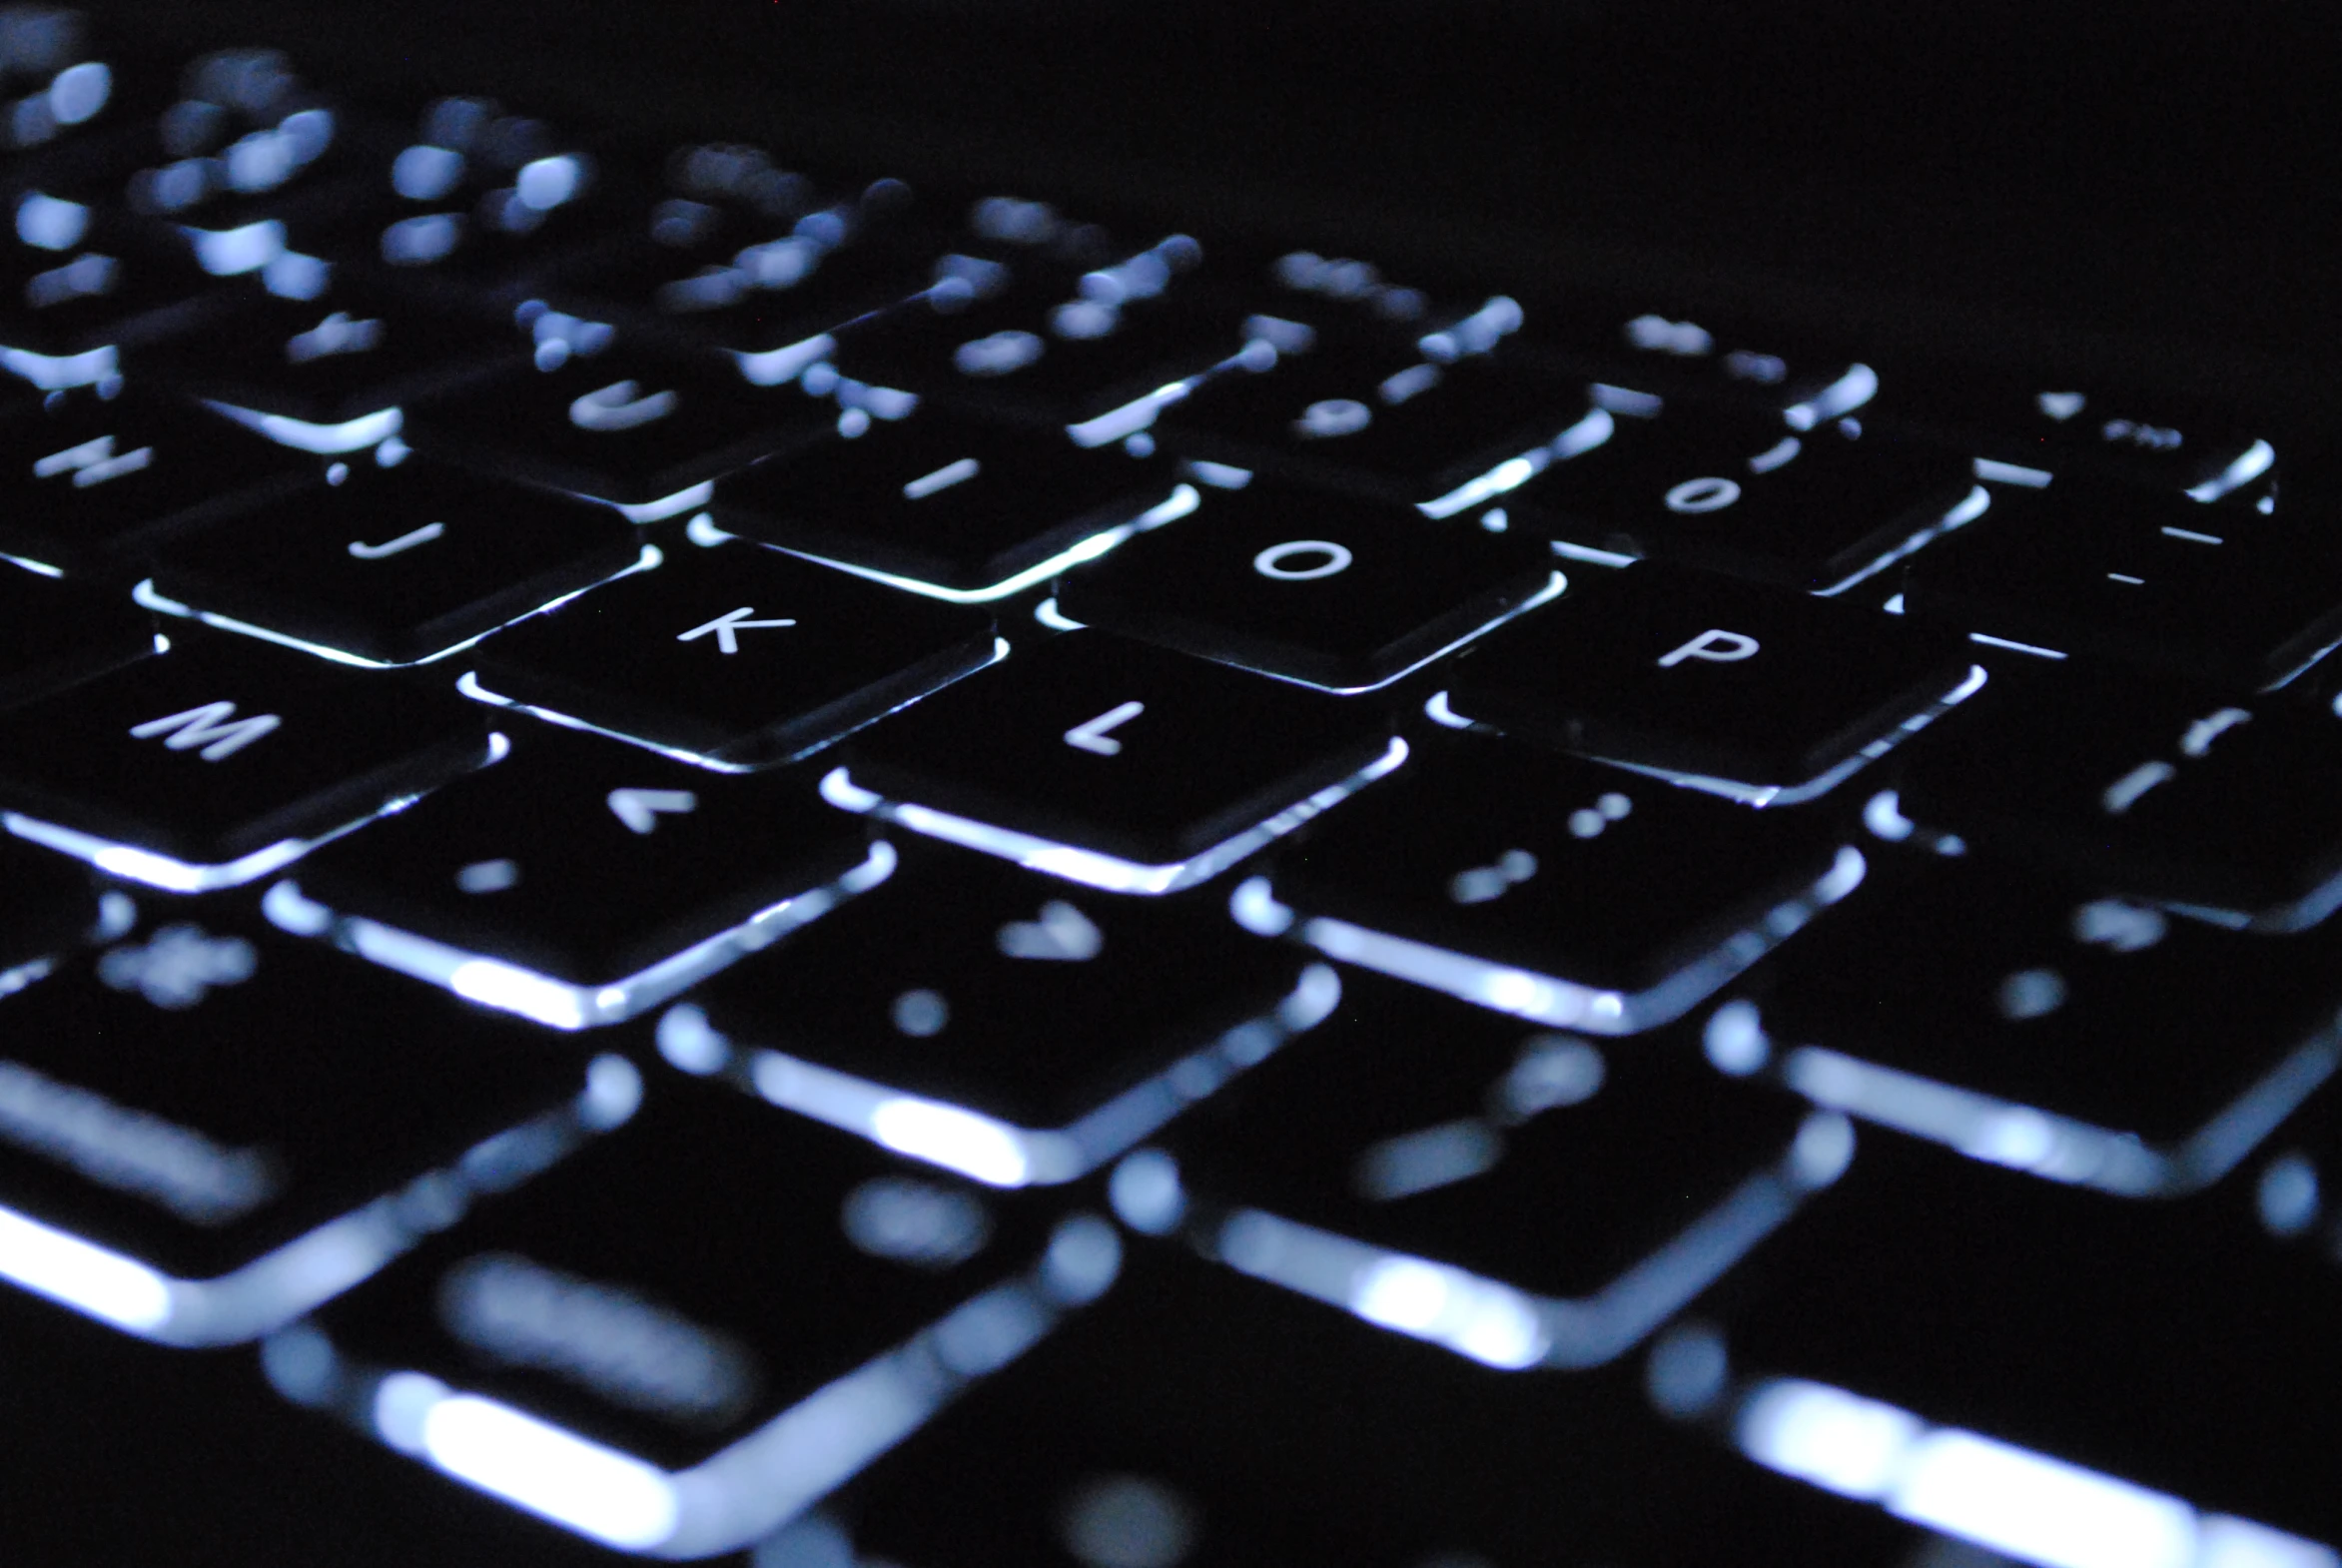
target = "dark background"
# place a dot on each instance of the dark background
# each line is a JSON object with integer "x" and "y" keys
{"x": 2131, "y": 196}
{"x": 2143, "y": 192}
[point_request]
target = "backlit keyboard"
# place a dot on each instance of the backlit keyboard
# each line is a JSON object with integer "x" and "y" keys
{"x": 712, "y": 857}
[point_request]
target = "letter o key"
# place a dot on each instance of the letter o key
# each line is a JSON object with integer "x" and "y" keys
{"x": 1270, "y": 562}
{"x": 1694, "y": 495}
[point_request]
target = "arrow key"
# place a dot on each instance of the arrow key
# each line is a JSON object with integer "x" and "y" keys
{"x": 674, "y": 660}
{"x": 578, "y": 882}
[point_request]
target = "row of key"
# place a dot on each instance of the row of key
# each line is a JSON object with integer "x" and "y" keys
{"x": 560, "y": 575}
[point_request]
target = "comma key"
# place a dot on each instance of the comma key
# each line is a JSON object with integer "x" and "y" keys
{"x": 595, "y": 878}
{"x": 1670, "y": 668}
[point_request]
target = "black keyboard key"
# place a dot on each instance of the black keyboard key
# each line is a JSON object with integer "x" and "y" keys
{"x": 999, "y": 1023}
{"x": 1116, "y": 764}
{"x": 1491, "y": 1192}
{"x": 2224, "y": 594}
{"x": 578, "y": 883}
{"x": 1803, "y": 380}
{"x": 1447, "y": 437}
{"x": 1554, "y": 889}
{"x": 333, "y": 360}
{"x": 2038, "y": 1368}
{"x": 694, "y": 1329}
{"x": 478, "y": 201}
{"x": 1736, "y": 492}
{"x": 733, "y": 656}
{"x": 222, "y": 761}
{"x": 2183, "y": 443}
{"x": 1132, "y": 341}
{"x": 53, "y": 635}
{"x": 2041, "y": 1025}
{"x": 92, "y": 482}
{"x": 951, "y": 505}
{"x": 217, "y": 1127}
{"x": 1194, "y": 1415}
{"x": 50, "y": 907}
{"x": 2187, "y": 795}
{"x": 644, "y": 432}
{"x": 1676, "y": 669}
{"x": 393, "y": 565}
{"x": 1334, "y": 590}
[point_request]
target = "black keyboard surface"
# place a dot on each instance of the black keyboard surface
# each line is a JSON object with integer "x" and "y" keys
{"x": 713, "y": 855}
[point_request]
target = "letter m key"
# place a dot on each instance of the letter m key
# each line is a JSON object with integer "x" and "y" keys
{"x": 210, "y": 727}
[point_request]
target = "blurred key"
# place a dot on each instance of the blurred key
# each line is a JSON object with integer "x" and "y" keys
{"x": 707, "y": 1362}
{"x": 395, "y": 565}
{"x": 2186, "y": 794}
{"x": 55, "y": 633}
{"x": 91, "y": 483}
{"x": 1548, "y": 887}
{"x": 2042, "y": 1025}
{"x": 644, "y": 432}
{"x": 1115, "y": 764}
{"x": 2015, "y": 1361}
{"x": 579, "y": 882}
{"x": 213, "y": 1128}
{"x": 330, "y": 361}
{"x": 734, "y": 657}
{"x": 222, "y": 761}
{"x": 1493, "y": 1191}
{"x": 1684, "y": 670}
{"x": 1444, "y": 436}
{"x": 49, "y": 909}
{"x": 998, "y": 1022}
{"x": 1195, "y": 1415}
{"x": 1736, "y": 492}
{"x": 2183, "y": 443}
{"x": 2225, "y": 594}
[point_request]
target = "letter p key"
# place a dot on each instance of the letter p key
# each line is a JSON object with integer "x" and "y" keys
{"x": 1714, "y": 645}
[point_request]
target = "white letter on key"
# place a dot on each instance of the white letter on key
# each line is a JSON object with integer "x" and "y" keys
{"x": 1714, "y": 645}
